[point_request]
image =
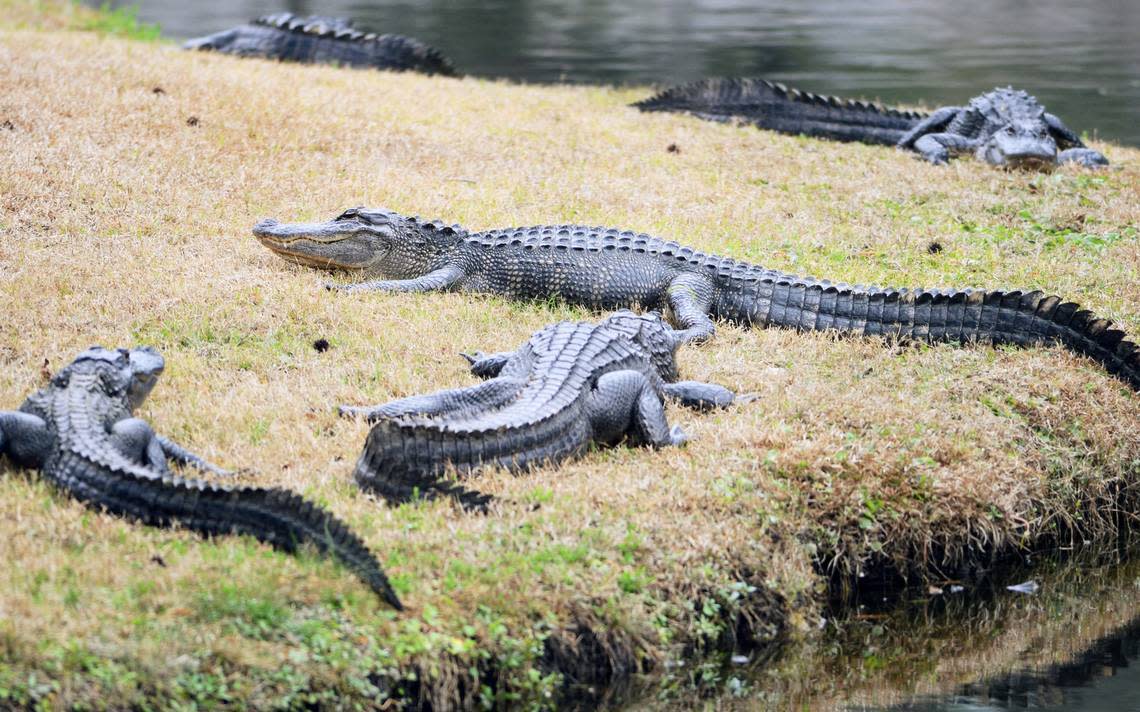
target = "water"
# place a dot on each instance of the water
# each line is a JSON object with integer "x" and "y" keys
{"x": 1072, "y": 645}
{"x": 1082, "y": 60}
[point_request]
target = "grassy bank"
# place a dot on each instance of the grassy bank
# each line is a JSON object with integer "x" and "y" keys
{"x": 131, "y": 175}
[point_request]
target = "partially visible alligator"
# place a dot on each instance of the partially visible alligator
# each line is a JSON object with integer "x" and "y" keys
{"x": 1003, "y": 127}
{"x": 774, "y": 106}
{"x": 570, "y": 384}
{"x": 605, "y": 268}
{"x": 80, "y": 432}
{"x": 330, "y": 40}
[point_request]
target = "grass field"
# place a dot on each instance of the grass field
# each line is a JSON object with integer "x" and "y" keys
{"x": 130, "y": 174}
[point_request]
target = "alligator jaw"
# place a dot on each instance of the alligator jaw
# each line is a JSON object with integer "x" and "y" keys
{"x": 329, "y": 245}
{"x": 324, "y": 232}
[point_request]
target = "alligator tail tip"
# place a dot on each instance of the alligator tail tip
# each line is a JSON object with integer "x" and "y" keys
{"x": 391, "y": 598}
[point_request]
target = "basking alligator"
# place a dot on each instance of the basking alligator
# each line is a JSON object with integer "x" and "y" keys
{"x": 1003, "y": 127}
{"x": 330, "y": 40}
{"x": 604, "y": 269}
{"x": 80, "y": 433}
{"x": 570, "y": 384}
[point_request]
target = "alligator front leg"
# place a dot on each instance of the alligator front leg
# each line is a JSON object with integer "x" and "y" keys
{"x": 626, "y": 403}
{"x": 487, "y": 365}
{"x": 1062, "y": 134}
{"x": 934, "y": 123}
{"x": 698, "y": 395}
{"x": 1087, "y": 157}
{"x": 937, "y": 147}
{"x": 484, "y": 396}
{"x": 690, "y": 297}
{"x": 175, "y": 452}
{"x": 25, "y": 438}
{"x": 439, "y": 280}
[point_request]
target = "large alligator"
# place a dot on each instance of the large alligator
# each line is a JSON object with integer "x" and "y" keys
{"x": 325, "y": 40}
{"x": 80, "y": 432}
{"x": 604, "y": 268}
{"x": 570, "y": 384}
{"x": 1003, "y": 127}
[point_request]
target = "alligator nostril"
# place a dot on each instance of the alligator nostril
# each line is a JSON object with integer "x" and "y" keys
{"x": 264, "y": 226}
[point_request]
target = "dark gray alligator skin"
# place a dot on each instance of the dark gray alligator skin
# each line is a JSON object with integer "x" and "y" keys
{"x": 605, "y": 268}
{"x": 80, "y": 432}
{"x": 1003, "y": 127}
{"x": 571, "y": 384}
{"x": 324, "y": 40}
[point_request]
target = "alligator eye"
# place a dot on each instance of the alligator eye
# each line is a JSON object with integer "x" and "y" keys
{"x": 347, "y": 214}
{"x": 1009, "y": 131}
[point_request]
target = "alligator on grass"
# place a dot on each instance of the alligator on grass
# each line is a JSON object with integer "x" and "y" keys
{"x": 569, "y": 385}
{"x": 604, "y": 268}
{"x": 325, "y": 40}
{"x": 79, "y": 431}
{"x": 1003, "y": 127}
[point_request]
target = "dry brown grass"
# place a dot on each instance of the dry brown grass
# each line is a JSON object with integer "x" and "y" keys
{"x": 122, "y": 223}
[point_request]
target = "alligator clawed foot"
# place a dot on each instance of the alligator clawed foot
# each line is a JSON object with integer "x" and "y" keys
{"x": 677, "y": 436}
{"x": 229, "y": 474}
{"x": 350, "y": 411}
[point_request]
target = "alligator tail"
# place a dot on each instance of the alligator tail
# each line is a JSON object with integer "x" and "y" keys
{"x": 276, "y": 516}
{"x": 408, "y": 457}
{"x": 771, "y": 105}
{"x": 1014, "y": 317}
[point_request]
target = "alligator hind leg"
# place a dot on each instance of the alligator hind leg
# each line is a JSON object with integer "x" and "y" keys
{"x": 25, "y": 438}
{"x": 135, "y": 440}
{"x": 180, "y": 455}
{"x": 626, "y": 403}
{"x": 698, "y": 395}
{"x": 487, "y": 365}
{"x": 690, "y": 296}
{"x": 490, "y": 394}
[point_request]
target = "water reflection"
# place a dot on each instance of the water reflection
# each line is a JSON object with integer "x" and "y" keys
{"x": 1103, "y": 677}
{"x": 1081, "y": 59}
{"x": 1072, "y": 645}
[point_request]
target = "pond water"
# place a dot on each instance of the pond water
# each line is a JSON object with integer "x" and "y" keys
{"x": 1073, "y": 644}
{"x": 1082, "y": 60}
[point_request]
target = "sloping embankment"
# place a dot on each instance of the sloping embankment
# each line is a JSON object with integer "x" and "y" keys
{"x": 131, "y": 175}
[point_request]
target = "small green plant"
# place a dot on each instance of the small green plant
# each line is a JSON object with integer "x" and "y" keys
{"x": 121, "y": 22}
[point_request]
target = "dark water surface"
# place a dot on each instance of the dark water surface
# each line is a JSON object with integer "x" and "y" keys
{"x": 1073, "y": 644}
{"x": 1081, "y": 59}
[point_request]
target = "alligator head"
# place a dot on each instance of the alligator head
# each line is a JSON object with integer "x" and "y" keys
{"x": 378, "y": 242}
{"x": 132, "y": 373}
{"x": 1020, "y": 143}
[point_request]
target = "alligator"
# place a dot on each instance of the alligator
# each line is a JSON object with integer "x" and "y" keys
{"x": 329, "y": 40}
{"x": 1003, "y": 127}
{"x": 604, "y": 268}
{"x": 80, "y": 432}
{"x": 569, "y": 385}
